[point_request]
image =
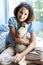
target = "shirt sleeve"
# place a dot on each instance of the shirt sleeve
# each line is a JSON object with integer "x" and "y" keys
{"x": 12, "y": 22}
{"x": 30, "y": 28}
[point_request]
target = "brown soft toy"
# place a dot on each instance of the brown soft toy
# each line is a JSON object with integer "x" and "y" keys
{"x": 22, "y": 33}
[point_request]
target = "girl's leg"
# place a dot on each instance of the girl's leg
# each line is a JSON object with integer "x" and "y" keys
{"x": 4, "y": 56}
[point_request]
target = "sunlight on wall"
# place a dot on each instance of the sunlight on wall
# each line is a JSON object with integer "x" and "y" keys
{"x": 12, "y": 5}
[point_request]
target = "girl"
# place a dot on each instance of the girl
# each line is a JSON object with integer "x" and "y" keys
{"x": 22, "y": 13}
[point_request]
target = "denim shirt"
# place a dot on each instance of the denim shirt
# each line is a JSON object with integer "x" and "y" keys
{"x": 13, "y": 22}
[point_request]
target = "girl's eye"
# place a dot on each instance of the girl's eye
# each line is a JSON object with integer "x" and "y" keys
{"x": 21, "y": 12}
{"x": 25, "y": 14}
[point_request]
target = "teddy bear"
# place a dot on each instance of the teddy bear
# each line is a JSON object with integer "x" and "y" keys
{"x": 22, "y": 33}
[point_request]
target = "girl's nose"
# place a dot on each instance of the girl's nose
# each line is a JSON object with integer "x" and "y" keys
{"x": 22, "y": 15}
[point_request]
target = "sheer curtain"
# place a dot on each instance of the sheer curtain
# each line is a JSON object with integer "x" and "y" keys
{"x": 3, "y": 11}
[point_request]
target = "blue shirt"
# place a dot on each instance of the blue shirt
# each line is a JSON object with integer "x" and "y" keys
{"x": 13, "y": 22}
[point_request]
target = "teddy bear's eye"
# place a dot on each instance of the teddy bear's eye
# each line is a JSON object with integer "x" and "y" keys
{"x": 24, "y": 26}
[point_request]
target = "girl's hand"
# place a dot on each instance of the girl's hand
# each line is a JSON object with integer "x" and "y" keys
{"x": 18, "y": 57}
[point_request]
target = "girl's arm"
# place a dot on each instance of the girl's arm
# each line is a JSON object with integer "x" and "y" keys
{"x": 32, "y": 44}
{"x": 18, "y": 40}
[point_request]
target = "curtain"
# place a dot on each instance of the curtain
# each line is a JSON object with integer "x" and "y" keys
{"x": 3, "y": 11}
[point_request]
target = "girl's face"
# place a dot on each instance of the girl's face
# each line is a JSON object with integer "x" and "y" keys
{"x": 22, "y": 14}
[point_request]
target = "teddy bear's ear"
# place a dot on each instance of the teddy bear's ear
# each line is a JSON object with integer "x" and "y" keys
{"x": 24, "y": 24}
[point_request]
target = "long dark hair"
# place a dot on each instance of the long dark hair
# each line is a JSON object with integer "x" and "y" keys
{"x": 29, "y": 7}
